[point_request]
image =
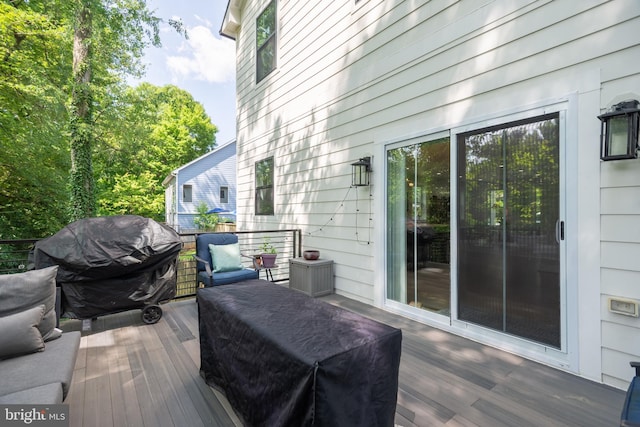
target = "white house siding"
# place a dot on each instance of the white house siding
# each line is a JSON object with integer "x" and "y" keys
{"x": 620, "y": 248}
{"x": 170, "y": 201}
{"x": 352, "y": 78}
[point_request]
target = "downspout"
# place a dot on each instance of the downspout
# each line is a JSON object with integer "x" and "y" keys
{"x": 176, "y": 202}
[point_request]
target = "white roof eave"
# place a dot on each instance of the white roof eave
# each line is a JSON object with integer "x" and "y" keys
{"x": 231, "y": 20}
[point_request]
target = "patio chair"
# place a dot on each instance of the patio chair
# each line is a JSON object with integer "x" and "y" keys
{"x": 219, "y": 261}
{"x": 630, "y": 416}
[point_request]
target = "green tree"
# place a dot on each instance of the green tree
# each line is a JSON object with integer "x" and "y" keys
{"x": 35, "y": 62}
{"x": 81, "y": 120}
{"x": 153, "y": 131}
{"x": 38, "y": 92}
{"x": 109, "y": 40}
{"x": 205, "y": 221}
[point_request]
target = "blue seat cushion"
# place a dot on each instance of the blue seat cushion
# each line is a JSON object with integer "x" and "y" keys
{"x": 228, "y": 277}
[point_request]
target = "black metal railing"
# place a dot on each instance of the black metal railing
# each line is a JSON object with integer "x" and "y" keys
{"x": 288, "y": 244}
{"x": 14, "y": 255}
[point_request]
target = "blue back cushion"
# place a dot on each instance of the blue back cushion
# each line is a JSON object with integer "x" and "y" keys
{"x": 204, "y": 240}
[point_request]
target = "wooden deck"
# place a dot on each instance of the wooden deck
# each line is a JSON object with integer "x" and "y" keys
{"x": 132, "y": 374}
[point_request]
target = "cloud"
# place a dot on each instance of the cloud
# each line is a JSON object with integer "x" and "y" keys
{"x": 204, "y": 57}
{"x": 204, "y": 20}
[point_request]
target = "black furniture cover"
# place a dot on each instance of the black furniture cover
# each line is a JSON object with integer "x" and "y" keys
{"x": 285, "y": 359}
{"x": 111, "y": 264}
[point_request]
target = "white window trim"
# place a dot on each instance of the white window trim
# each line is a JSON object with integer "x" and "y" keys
{"x": 226, "y": 187}
{"x": 184, "y": 187}
{"x": 277, "y": 43}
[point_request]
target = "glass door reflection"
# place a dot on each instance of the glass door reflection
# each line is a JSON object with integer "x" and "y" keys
{"x": 418, "y": 234}
{"x": 508, "y": 247}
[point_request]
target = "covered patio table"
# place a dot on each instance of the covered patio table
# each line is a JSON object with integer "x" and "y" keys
{"x": 283, "y": 358}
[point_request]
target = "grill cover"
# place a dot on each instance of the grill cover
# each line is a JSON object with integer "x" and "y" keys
{"x": 285, "y": 359}
{"x": 111, "y": 264}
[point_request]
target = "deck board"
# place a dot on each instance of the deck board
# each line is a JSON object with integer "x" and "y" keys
{"x": 132, "y": 414}
{"x": 131, "y": 374}
{"x": 152, "y": 405}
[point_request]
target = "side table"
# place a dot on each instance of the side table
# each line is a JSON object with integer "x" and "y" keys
{"x": 314, "y": 278}
{"x": 267, "y": 271}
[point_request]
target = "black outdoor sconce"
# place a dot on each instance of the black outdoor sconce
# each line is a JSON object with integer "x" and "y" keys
{"x": 619, "y": 131}
{"x": 360, "y": 172}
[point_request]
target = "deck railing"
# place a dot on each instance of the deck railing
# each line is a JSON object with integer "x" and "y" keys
{"x": 288, "y": 244}
{"x": 14, "y": 255}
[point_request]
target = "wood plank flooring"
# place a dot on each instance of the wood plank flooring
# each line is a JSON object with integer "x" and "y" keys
{"x": 132, "y": 374}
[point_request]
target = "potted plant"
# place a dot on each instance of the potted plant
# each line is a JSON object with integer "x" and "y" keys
{"x": 268, "y": 254}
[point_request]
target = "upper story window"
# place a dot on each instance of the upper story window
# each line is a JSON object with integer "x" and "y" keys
{"x": 266, "y": 35}
{"x": 187, "y": 193}
{"x": 264, "y": 187}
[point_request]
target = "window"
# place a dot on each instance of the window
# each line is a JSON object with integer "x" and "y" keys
{"x": 264, "y": 187}
{"x": 187, "y": 193}
{"x": 266, "y": 42}
{"x": 224, "y": 194}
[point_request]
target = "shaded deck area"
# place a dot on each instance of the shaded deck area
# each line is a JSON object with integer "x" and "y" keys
{"x": 132, "y": 374}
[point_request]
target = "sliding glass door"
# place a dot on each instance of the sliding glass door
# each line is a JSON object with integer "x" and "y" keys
{"x": 510, "y": 228}
{"x": 418, "y": 227}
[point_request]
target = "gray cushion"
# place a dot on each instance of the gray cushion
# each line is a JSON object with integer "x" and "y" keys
{"x": 22, "y": 291}
{"x": 54, "y": 365}
{"x": 54, "y": 334}
{"x": 19, "y": 333}
{"x": 48, "y": 394}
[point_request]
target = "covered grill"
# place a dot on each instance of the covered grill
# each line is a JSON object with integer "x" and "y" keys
{"x": 112, "y": 264}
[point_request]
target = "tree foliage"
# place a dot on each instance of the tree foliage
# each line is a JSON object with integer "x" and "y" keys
{"x": 205, "y": 221}
{"x": 81, "y": 115}
{"x": 109, "y": 40}
{"x": 510, "y": 176}
{"x": 39, "y": 121}
{"x": 153, "y": 131}
{"x": 35, "y": 62}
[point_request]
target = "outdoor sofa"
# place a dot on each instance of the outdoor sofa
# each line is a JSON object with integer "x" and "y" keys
{"x": 36, "y": 359}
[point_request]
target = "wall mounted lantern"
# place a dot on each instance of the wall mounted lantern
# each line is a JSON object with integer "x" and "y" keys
{"x": 360, "y": 172}
{"x": 619, "y": 131}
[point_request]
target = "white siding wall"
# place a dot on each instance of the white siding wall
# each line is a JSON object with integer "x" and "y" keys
{"x": 352, "y": 78}
{"x": 170, "y": 203}
{"x": 620, "y": 247}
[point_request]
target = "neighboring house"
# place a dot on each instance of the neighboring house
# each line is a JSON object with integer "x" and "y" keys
{"x": 490, "y": 214}
{"x": 211, "y": 178}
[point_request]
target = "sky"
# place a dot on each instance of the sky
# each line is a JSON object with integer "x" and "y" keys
{"x": 203, "y": 64}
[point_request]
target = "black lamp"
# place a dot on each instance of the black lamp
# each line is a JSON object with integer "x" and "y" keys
{"x": 360, "y": 172}
{"x": 619, "y": 132}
